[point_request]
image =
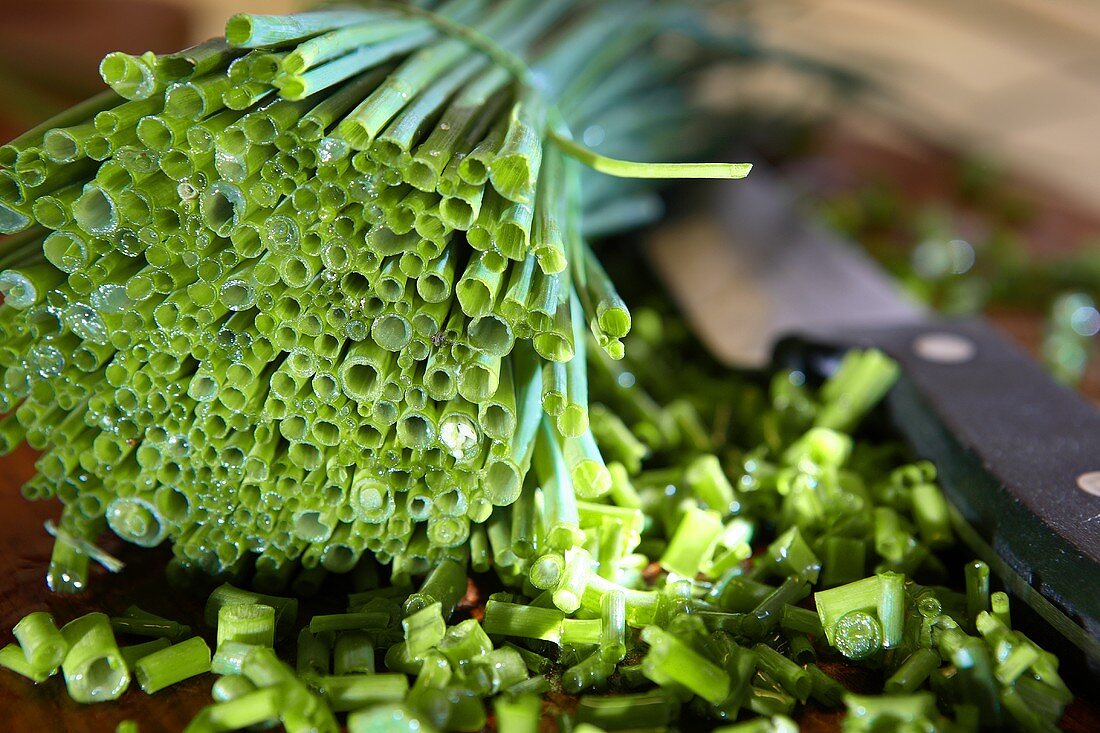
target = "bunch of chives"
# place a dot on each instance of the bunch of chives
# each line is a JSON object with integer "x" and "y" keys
{"x": 320, "y": 289}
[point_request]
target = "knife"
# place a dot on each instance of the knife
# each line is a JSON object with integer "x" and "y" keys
{"x": 1018, "y": 454}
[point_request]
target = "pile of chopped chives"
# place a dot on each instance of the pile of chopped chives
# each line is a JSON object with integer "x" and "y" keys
{"x": 321, "y": 289}
{"x": 843, "y": 570}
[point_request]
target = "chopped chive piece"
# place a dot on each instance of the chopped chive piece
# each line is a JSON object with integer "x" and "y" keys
{"x": 313, "y": 654}
{"x": 131, "y": 654}
{"x": 773, "y": 724}
{"x": 94, "y": 669}
{"x": 824, "y": 689}
{"x": 251, "y": 623}
{"x": 446, "y": 585}
{"x": 793, "y": 678}
{"x": 613, "y": 626}
{"x": 353, "y": 653}
{"x": 230, "y": 687}
{"x": 670, "y": 659}
{"x": 464, "y": 642}
{"x": 176, "y": 663}
{"x": 693, "y": 542}
{"x": 591, "y": 672}
{"x": 832, "y": 604}
{"x": 529, "y": 622}
{"x": 41, "y": 642}
{"x": 348, "y": 622}
{"x": 286, "y": 609}
{"x": 913, "y": 672}
{"x": 351, "y": 692}
{"x": 977, "y": 589}
{"x": 891, "y": 608}
{"x": 647, "y": 709}
{"x": 142, "y": 623}
{"x": 388, "y": 718}
{"x": 424, "y": 629}
{"x": 13, "y": 658}
{"x": 857, "y": 635}
{"x": 518, "y": 714}
{"x": 891, "y": 711}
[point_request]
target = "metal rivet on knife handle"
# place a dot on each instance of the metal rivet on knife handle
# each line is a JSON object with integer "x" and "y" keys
{"x": 944, "y": 348}
{"x": 1089, "y": 482}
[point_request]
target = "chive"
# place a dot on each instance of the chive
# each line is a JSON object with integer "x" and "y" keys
{"x": 670, "y": 659}
{"x": 860, "y": 381}
{"x": 347, "y": 622}
{"x": 791, "y": 555}
{"x": 256, "y": 330}
{"x": 41, "y": 642}
{"x": 647, "y": 709}
{"x": 424, "y": 629}
{"x": 337, "y": 42}
{"x": 286, "y": 609}
{"x": 977, "y": 589}
{"x": 913, "y": 671}
{"x": 842, "y": 561}
{"x": 774, "y": 724}
{"x": 313, "y": 653}
{"x": 693, "y": 542}
{"x": 824, "y": 689}
{"x": 131, "y": 654}
{"x": 510, "y": 619}
{"x": 890, "y": 710}
{"x": 857, "y": 635}
{"x": 353, "y": 653}
{"x": 249, "y": 623}
{"x": 230, "y": 687}
{"x": 497, "y": 670}
{"x": 931, "y": 515}
{"x": 590, "y": 673}
{"x": 793, "y": 678}
{"x": 519, "y": 713}
{"x": 770, "y": 610}
{"x": 800, "y": 619}
{"x": 168, "y": 666}
{"x": 464, "y": 641}
{"x": 445, "y": 585}
{"x": 770, "y": 701}
{"x": 256, "y": 31}
{"x": 351, "y": 692}
{"x": 386, "y": 718}
{"x": 93, "y": 667}
{"x": 1000, "y": 605}
{"x": 12, "y": 657}
{"x": 832, "y": 604}
{"x": 252, "y": 708}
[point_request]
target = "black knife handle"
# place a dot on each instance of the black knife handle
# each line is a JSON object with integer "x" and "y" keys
{"x": 1017, "y": 453}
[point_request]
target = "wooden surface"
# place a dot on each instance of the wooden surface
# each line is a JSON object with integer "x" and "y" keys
{"x": 1016, "y": 80}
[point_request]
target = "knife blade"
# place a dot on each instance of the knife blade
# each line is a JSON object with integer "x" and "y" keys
{"x": 1018, "y": 454}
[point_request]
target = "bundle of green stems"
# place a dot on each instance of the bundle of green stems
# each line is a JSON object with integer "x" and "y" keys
{"x": 323, "y": 288}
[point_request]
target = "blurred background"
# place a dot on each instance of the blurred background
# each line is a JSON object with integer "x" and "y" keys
{"x": 956, "y": 141}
